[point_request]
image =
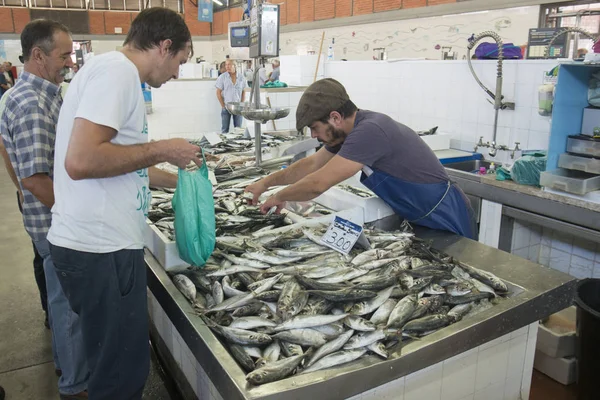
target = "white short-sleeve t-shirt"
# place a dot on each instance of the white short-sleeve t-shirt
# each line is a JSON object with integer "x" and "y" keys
{"x": 108, "y": 214}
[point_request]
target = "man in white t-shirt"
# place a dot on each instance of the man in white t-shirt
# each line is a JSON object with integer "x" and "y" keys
{"x": 103, "y": 171}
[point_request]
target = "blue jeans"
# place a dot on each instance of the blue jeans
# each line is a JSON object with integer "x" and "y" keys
{"x": 67, "y": 339}
{"x": 38, "y": 271}
{"x": 108, "y": 292}
{"x": 226, "y": 120}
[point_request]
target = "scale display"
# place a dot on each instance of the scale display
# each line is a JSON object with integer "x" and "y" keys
{"x": 239, "y": 36}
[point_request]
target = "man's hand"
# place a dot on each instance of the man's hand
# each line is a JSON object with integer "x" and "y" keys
{"x": 256, "y": 189}
{"x": 271, "y": 202}
{"x": 180, "y": 152}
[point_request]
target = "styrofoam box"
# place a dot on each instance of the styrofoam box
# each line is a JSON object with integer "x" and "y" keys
{"x": 439, "y": 141}
{"x": 591, "y": 121}
{"x": 163, "y": 249}
{"x": 561, "y": 370}
{"x": 554, "y": 342}
{"x": 338, "y": 199}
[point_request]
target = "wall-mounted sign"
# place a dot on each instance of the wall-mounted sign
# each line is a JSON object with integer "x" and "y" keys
{"x": 205, "y": 10}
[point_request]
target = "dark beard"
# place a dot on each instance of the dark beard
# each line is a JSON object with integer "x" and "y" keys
{"x": 336, "y": 135}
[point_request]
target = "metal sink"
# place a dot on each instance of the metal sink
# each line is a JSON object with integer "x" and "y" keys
{"x": 471, "y": 165}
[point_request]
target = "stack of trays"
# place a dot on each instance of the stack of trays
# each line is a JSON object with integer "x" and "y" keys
{"x": 555, "y": 348}
{"x": 579, "y": 171}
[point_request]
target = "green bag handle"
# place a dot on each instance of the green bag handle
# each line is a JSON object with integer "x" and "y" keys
{"x": 203, "y": 167}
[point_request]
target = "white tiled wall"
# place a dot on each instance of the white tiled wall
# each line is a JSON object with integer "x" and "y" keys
{"x": 183, "y": 108}
{"x": 423, "y": 94}
{"x": 499, "y": 369}
{"x": 577, "y": 257}
{"x": 188, "y": 108}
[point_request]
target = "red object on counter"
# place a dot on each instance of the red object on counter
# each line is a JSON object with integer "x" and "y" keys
{"x": 596, "y": 47}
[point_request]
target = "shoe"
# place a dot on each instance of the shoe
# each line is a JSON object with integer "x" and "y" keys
{"x": 58, "y": 372}
{"x": 2, "y": 393}
{"x": 46, "y": 323}
{"x": 77, "y": 396}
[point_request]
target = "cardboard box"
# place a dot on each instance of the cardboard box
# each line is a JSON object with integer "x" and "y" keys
{"x": 591, "y": 122}
{"x": 562, "y": 370}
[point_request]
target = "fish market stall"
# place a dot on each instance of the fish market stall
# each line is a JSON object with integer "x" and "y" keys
{"x": 441, "y": 354}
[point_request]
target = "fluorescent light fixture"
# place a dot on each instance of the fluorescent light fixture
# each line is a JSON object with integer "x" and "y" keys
{"x": 467, "y": 13}
{"x": 217, "y": 2}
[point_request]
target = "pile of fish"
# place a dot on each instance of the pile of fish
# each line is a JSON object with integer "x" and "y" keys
{"x": 232, "y": 211}
{"x": 364, "y": 193}
{"x": 239, "y": 143}
{"x": 283, "y": 304}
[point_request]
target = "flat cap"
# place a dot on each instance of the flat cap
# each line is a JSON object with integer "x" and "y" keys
{"x": 320, "y": 99}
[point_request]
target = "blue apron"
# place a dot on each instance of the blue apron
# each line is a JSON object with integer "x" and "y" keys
{"x": 434, "y": 205}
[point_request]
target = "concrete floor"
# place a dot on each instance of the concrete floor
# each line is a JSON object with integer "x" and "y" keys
{"x": 26, "y": 367}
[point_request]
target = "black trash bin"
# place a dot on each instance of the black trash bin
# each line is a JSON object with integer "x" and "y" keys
{"x": 587, "y": 299}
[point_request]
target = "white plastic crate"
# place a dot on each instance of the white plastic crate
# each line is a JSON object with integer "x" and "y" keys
{"x": 439, "y": 141}
{"x": 164, "y": 249}
{"x": 338, "y": 199}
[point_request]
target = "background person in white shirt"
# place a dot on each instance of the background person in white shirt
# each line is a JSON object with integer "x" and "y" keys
{"x": 230, "y": 88}
{"x": 103, "y": 171}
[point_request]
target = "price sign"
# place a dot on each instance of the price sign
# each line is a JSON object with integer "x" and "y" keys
{"x": 341, "y": 235}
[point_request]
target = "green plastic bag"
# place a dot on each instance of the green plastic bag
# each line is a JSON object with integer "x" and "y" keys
{"x": 194, "y": 208}
{"x": 503, "y": 174}
{"x": 276, "y": 84}
{"x": 526, "y": 169}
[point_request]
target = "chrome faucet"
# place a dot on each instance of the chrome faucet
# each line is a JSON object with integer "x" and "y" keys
{"x": 492, "y": 146}
{"x": 512, "y": 154}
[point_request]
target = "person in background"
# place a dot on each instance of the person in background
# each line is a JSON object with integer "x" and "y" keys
{"x": 222, "y": 68}
{"x": 10, "y": 79}
{"x": 104, "y": 167}
{"x": 4, "y": 86}
{"x": 581, "y": 53}
{"x": 38, "y": 261}
{"x": 28, "y": 128}
{"x": 248, "y": 74}
{"x": 230, "y": 88}
{"x": 396, "y": 164}
{"x": 275, "y": 73}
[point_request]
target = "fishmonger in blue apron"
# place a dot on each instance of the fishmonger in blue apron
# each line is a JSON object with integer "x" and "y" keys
{"x": 396, "y": 163}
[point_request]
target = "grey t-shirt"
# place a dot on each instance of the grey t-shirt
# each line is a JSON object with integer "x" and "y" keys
{"x": 379, "y": 142}
{"x": 275, "y": 74}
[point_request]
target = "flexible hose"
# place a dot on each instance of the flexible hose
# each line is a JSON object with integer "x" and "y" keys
{"x": 472, "y": 42}
{"x": 566, "y": 30}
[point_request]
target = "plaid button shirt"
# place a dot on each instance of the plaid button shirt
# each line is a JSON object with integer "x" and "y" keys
{"x": 28, "y": 127}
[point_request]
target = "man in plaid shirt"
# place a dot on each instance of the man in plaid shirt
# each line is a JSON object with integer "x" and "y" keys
{"x": 28, "y": 129}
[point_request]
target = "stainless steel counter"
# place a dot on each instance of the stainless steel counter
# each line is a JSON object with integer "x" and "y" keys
{"x": 529, "y": 198}
{"x": 536, "y": 292}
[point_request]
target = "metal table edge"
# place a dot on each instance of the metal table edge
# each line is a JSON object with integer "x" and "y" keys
{"x": 547, "y": 296}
